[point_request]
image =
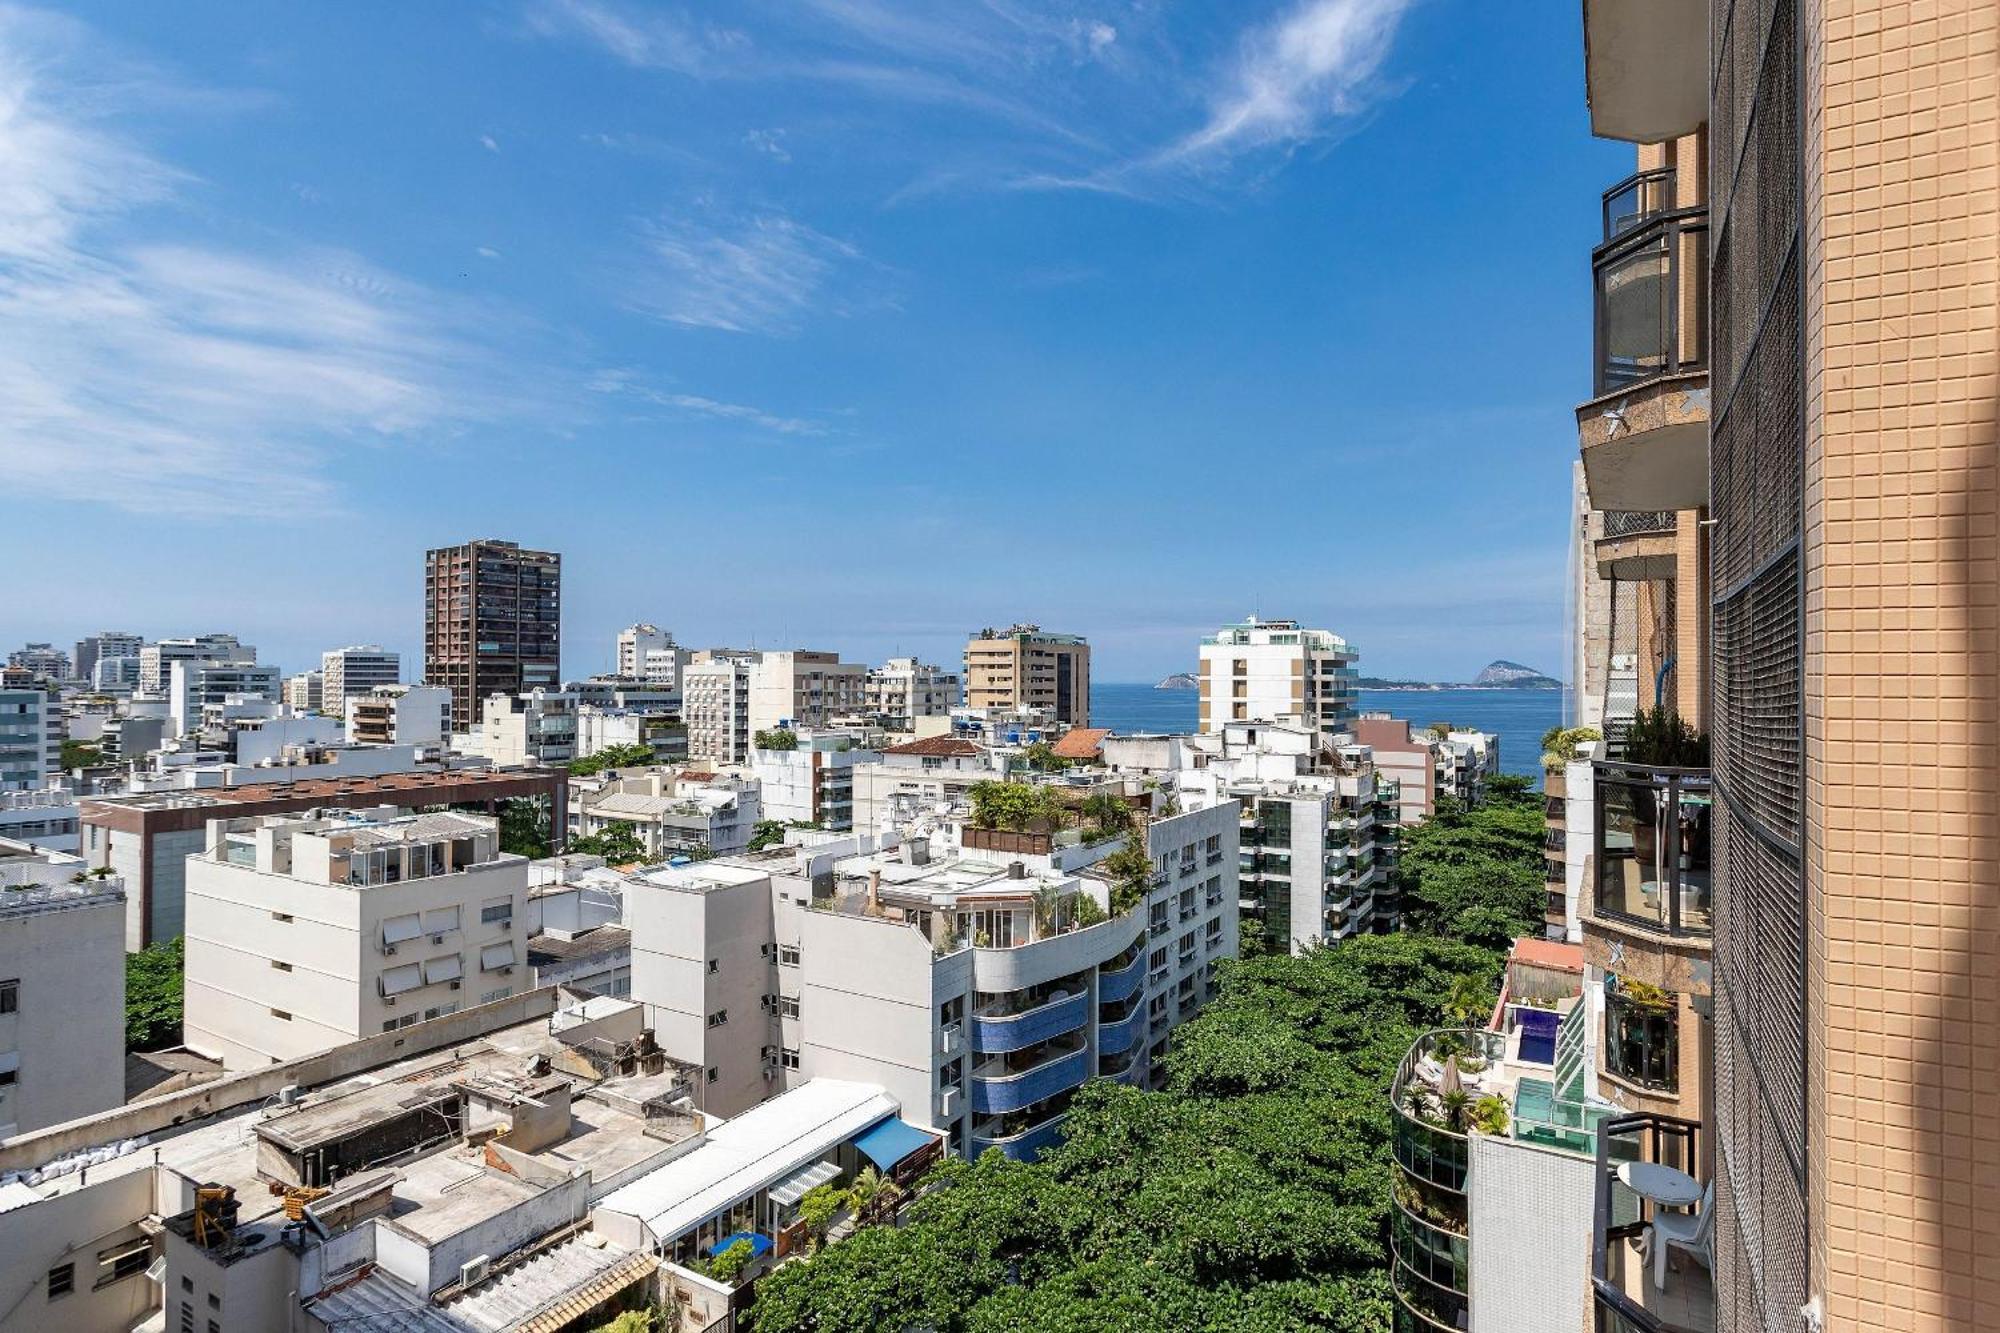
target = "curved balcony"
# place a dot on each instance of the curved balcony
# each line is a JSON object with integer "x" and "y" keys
{"x": 1011, "y": 1092}
{"x": 1644, "y": 433}
{"x": 1123, "y": 983}
{"x": 1638, "y": 546}
{"x": 1645, "y": 68}
{"x": 1120, "y": 1034}
{"x": 1024, "y": 1146}
{"x": 999, "y": 1034}
{"x": 1040, "y": 961}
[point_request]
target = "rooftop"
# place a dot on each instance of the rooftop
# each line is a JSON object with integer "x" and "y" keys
{"x": 941, "y": 747}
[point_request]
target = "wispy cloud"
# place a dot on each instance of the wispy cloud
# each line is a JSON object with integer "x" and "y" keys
{"x": 1296, "y": 75}
{"x": 763, "y": 274}
{"x": 489, "y": 143}
{"x": 769, "y": 142}
{"x": 166, "y": 377}
{"x": 627, "y": 384}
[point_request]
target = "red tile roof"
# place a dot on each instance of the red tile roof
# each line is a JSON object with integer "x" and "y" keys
{"x": 947, "y": 747}
{"x": 1548, "y": 953}
{"x": 1081, "y": 742}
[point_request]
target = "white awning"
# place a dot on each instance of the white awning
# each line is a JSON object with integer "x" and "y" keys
{"x": 496, "y": 955}
{"x": 396, "y": 929}
{"x": 441, "y": 919}
{"x": 793, "y": 1187}
{"x": 399, "y": 979}
{"x": 443, "y": 969}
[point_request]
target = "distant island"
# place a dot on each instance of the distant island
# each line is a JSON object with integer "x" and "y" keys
{"x": 1180, "y": 680}
{"x": 1497, "y": 675}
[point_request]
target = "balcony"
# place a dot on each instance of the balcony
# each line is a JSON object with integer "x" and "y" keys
{"x": 1017, "y": 1137}
{"x": 997, "y": 1032}
{"x": 1645, "y": 68}
{"x": 999, "y": 1085}
{"x": 1626, "y": 1296}
{"x": 1115, "y": 1035}
{"x": 1638, "y": 546}
{"x": 1651, "y": 847}
{"x": 1120, "y": 981}
{"x": 1644, "y": 433}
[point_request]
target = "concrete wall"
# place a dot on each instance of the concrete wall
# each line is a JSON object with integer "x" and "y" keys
{"x": 253, "y": 1294}
{"x": 677, "y": 932}
{"x": 501, "y": 1234}
{"x": 72, "y": 1228}
{"x": 69, "y": 1028}
{"x": 868, "y": 994}
{"x": 1530, "y": 1241}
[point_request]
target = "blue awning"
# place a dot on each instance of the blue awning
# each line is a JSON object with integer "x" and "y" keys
{"x": 891, "y": 1141}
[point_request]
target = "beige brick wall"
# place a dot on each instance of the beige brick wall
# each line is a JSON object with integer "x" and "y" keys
{"x": 1903, "y": 588}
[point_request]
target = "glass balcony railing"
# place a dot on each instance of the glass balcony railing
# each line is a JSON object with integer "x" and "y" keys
{"x": 1651, "y": 279}
{"x": 1651, "y": 844}
{"x": 1116, "y": 982}
{"x": 995, "y": 1089}
{"x": 997, "y": 1034}
{"x": 1631, "y": 1294}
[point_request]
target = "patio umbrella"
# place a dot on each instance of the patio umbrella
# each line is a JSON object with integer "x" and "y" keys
{"x": 1451, "y": 1082}
{"x": 759, "y": 1244}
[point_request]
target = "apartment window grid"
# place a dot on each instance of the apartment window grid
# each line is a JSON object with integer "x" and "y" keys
{"x": 1756, "y": 488}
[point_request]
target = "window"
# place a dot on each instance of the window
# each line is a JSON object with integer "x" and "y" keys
{"x": 1158, "y": 958}
{"x": 214, "y": 1301}
{"x": 788, "y": 955}
{"x": 187, "y": 1283}
{"x": 718, "y": 1018}
{"x": 788, "y": 1006}
{"x": 123, "y": 1261}
{"x": 714, "y": 1072}
{"x": 500, "y": 911}
{"x": 490, "y": 996}
{"x": 789, "y": 1058}
{"x": 714, "y": 966}
{"x": 281, "y": 1015}
{"x": 277, "y": 966}
{"x": 10, "y": 996}
{"x": 1642, "y": 1035}
{"x": 281, "y": 916}
{"x": 62, "y": 1280}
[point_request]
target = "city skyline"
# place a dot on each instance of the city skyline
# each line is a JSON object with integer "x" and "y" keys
{"x": 826, "y": 276}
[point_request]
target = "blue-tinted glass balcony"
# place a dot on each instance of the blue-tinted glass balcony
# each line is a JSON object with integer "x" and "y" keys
{"x": 1116, "y": 982}
{"x": 996, "y": 1089}
{"x": 1119, "y": 1034}
{"x": 1024, "y": 1146}
{"x": 997, "y": 1034}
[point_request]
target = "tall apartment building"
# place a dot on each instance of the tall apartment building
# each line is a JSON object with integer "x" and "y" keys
{"x": 115, "y": 675}
{"x": 42, "y": 661}
{"x": 961, "y": 976}
{"x": 304, "y": 933}
{"x": 306, "y": 691}
{"x": 193, "y": 685}
{"x": 355, "y": 669}
{"x": 62, "y": 989}
{"x": 104, "y": 646}
{"x": 649, "y": 653}
{"x": 29, "y": 753}
{"x": 1276, "y": 670}
{"x": 492, "y": 622}
{"x": 903, "y": 689}
{"x": 1024, "y": 666}
{"x": 156, "y": 660}
{"x": 715, "y": 703}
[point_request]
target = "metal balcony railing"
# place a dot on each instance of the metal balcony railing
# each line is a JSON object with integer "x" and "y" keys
{"x": 1624, "y": 1297}
{"x": 1651, "y": 280}
{"x": 1639, "y": 523}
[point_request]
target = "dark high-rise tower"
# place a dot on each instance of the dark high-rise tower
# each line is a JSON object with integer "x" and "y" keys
{"x": 492, "y": 622}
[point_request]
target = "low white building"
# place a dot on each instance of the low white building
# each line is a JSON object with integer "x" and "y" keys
{"x": 303, "y": 933}
{"x": 195, "y": 684}
{"x": 355, "y": 669}
{"x": 812, "y": 783}
{"x": 400, "y": 715}
{"x": 62, "y": 989}
{"x": 600, "y": 729}
{"x": 981, "y": 976}
{"x": 47, "y": 817}
{"x": 536, "y": 727}
{"x": 671, "y": 813}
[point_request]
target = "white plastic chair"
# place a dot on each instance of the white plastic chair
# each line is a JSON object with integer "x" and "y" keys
{"x": 1691, "y": 1233}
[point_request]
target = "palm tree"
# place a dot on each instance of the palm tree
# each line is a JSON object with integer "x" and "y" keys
{"x": 1048, "y": 910}
{"x": 1457, "y": 1104}
{"x": 1468, "y": 1001}
{"x": 867, "y": 1187}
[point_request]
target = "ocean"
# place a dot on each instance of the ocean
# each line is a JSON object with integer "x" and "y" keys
{"x": 1517, "y": 717}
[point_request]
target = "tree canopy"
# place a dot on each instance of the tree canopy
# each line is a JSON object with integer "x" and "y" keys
{"x": 613, "y": 756}
{"x": 1251, "y": 1193}
{"x": 617, "y": 842}
{"x": 1476, "y": 873}
{"x": 153, "y": 980}
{"x": 524, "y": 827}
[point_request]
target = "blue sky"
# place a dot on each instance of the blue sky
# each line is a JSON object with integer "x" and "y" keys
{"x": 852, "y": 324}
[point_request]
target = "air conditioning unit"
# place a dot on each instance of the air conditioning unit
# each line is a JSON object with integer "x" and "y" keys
{"x": 456, "y": 984}
{"x": 437, "y": 939}
{"x": 290, "y": 1094}
{"x": 473, "y": 1271}
{"x": 389, "y": 1000}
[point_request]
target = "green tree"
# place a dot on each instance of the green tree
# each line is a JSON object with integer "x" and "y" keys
{"x": 1042, "y": 757}
{"x": 1108, "y": 814}
{"x": 1659, "y": 735}
{"x": 1131, "y": 872}
{"x": 766, "y": 833}
{"x": 778, "y": 739}
{"x": 524, "y": 827}
{"x": 154, "y": 981}
{"x": 615, "y": 756}
{"x": 727, "y": 1266}
{"x": 1017, "y": 805}
{"x": 618, "y": 843}
{"x": 79, "y": 754}
{"x": 817, "y": 1209}
{"x": 1476, "y": 874}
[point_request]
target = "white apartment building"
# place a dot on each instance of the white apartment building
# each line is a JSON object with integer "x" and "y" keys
{"x": 648, "y": 653}
{"x": 814, "y": 783}
{"x": 303, "y": 933}
{"x": 903, "y": 689}
{"x": 156, "y": 660}
{"x": 115, "y": 675}
{"x": 62, "y": 989}
{"x": 258, "y": 731}
{"x": 715, "y": 704}
{"x": 356, "y": 669}
{"x": 599, "y": 729}
{"x": 955, "y": 967}
{"x": 400, "y": 715}
{"x": 537, "y": 727}
{"x": 1276, "y": 670}
{"x": 106, "y": 645}
{"x": 29, "y": 753}
{"x": 43, "y": 661}
{"x": 931, "y": 775}
{"x": 672, "y": 814}
{"x": 1312, "y": 814}
{"x": 193, "y": 684}
{"x": 305, "y": 691}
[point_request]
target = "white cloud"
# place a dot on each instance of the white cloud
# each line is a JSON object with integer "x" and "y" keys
{"x": 1294, "y": 75}
{"x": 489, "y": 143}
{"x": 626, "y": 383}
{"x": 770, "y": 142}
{"x": 763, "y": 275}
{"x": 164, "y": 377}
{"x": 486, "y": 252}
